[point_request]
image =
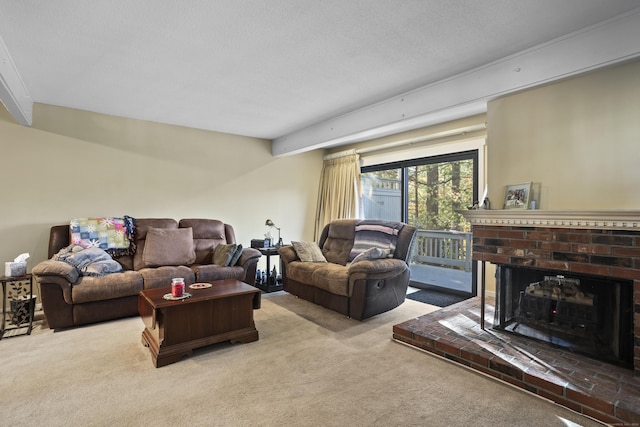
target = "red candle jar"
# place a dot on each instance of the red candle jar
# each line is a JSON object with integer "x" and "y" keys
{"x": 177, "y": 287}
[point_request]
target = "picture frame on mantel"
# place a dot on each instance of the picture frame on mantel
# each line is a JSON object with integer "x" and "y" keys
{"x": 517, "y": 196}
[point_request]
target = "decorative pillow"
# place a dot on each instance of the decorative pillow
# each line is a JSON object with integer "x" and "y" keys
{"x": 164, "y": 246}
{"x": 223, "y": 254}
{"x": 371, "y": 253}
{"x": 236, "y": 256}
{"x": 308, "y": 252}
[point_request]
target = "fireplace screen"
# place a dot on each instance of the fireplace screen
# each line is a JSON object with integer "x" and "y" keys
{"x": 584, "y": 314}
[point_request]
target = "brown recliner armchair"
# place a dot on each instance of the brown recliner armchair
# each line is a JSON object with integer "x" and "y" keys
{"x": 357, "y": 289}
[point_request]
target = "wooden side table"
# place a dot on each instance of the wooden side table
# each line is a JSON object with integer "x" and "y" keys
{"x": 271, "y": 284}
{"x": 19, "y": 292}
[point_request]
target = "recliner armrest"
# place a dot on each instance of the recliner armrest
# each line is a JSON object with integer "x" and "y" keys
{"x": 56, "y": 269}
{"x": 287, "y": 254}
{"x": 378, "y": 266}
{"x": 247, "y": 255}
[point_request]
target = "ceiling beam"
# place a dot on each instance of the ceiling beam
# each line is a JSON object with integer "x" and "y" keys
{"x": 13, "y": 92}
{"x": 607, "y": 43}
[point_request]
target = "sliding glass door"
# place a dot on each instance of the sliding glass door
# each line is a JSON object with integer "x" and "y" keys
{"x": 429, "y": 193}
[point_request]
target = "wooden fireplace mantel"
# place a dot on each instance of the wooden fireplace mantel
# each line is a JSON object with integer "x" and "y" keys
{"x": 596, "y": 219}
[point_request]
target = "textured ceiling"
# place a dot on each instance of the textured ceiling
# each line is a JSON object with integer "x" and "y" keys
{"x": 266, "y": 68}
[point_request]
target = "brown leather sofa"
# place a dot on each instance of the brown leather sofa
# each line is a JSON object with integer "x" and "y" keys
{"x": 70, "y": 299}
{"x": 359, "y": 289}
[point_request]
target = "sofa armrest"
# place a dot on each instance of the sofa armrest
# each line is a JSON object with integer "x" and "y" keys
{"x": 249, "y": 262}
{"x": 287, "y": 254}
{"x": 55, "y": 279}
{"x": 56, "y": 269}
{"x": 248, "y": 254}
{"x": 377, "y": 267}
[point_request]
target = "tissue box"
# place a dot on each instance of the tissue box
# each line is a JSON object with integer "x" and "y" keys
{"x": 14, "y": 269}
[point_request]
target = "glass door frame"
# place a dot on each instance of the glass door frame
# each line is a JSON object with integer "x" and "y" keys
{"x": 404, "y": 165}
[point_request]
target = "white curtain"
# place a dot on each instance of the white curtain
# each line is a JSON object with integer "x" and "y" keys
{"x": 339, "y": 192}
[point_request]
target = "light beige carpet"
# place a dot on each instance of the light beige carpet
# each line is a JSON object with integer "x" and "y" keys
{"x": 310, "y": 367}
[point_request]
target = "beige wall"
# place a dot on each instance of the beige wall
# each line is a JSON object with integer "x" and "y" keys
{"x": 74, "y": 163}
{"x": 578, "y": 140}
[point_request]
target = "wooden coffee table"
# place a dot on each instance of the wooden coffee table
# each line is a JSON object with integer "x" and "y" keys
{"x": 223, "y": 312}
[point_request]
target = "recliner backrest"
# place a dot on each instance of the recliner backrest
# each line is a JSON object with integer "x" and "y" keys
{"x": 336, "y": 240}
{"x": 207, "y": 234}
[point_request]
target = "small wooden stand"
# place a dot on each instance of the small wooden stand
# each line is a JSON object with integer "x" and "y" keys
{"x": 19, "y": 292}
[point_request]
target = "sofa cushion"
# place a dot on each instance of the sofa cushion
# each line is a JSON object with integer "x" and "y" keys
{"x": 236, "y": 256}
{"x": 116, "y": 285}
{"x": 160, "y": 277}
{"x": 333, "y": 278}
{"x": 302, "y": 271}
{"x": 143, "y": 225}
{"x": 369, "y": 254}
{"x": 168, "y": 247}
{"x": 223, "y": 254}
{"x": 308, "y": 252}
{"x": 212, "y": 272}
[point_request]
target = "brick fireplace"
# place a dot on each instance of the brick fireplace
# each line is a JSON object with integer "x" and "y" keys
{"x": 596, "y": 243}
{"x": 602, "y": 244}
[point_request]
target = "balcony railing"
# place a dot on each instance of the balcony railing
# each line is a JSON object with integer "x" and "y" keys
{"x": 443, "y": 248}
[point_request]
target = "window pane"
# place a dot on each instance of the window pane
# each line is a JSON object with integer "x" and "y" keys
{"x": 382, "y": 195}
{"x": 436, "y": 192}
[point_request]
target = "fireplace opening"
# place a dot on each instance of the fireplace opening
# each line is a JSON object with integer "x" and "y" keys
{"x": 590, "y": 315}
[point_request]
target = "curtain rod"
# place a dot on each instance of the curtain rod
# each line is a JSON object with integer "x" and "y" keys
{"x": 452, "y": 132}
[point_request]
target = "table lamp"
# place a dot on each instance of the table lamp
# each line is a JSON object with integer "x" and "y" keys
{"x": 270, "y": 223}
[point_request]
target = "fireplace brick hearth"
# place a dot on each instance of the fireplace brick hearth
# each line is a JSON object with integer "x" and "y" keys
{"x": 602, "y": 391}
{"x": 595, "y": 243}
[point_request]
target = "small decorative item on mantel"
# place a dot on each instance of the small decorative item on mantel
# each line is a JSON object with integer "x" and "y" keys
{"x": 517, "y": 196}
{"x": 485, "y": 202}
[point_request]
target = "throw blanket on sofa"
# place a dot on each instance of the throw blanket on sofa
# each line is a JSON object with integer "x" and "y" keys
{"x": 113, "y": 235}
{"x": 89, "y": 262}
{"x": 375, "y": 234}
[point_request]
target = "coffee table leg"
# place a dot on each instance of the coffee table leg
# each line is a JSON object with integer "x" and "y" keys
{"x": 158, "y": 359}
{"x": 246, "y": 337}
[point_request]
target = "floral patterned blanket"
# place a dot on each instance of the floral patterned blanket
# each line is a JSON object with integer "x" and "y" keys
{"x": 113, "y": 235}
